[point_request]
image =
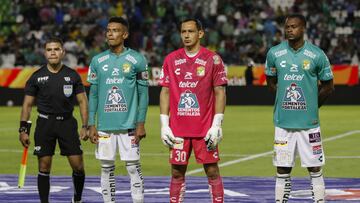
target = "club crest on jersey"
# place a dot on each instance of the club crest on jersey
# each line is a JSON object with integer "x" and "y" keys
{"x": 200, "y": 71}
{"x": 188, "y": 104}
{"x": 294, "y": 98}
{"x": 68, "y": 90}
{"x": 115, "y": 101}
{"x": 126, "y": 68}
{"x": 306, "y": 64}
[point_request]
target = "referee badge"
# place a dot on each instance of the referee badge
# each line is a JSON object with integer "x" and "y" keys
{"x": 68, "y": 89}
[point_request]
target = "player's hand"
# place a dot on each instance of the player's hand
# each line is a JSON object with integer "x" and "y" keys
{"x": 168, "y": 137}
{"x": 93, "y": 134}
{"x": 24, "y": 139}
{"x": 140, "y": 132}
{"x": 84, "y": 133}
{"x": 213, "y": 137}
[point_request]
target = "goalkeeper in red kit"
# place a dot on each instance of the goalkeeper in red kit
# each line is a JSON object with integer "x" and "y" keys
{"x": 192, "y": 104}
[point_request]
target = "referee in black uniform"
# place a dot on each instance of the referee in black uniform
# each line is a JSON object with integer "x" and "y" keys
{"x": 55, "y": 88}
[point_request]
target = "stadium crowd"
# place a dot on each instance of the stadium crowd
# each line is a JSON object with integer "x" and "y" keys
{"x": 237, "y": 30}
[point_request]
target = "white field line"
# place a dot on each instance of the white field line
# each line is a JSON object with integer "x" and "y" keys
{"x": 264, "y": 154}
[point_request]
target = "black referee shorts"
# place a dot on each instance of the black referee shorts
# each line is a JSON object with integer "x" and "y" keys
{"x": 51, "y": 128}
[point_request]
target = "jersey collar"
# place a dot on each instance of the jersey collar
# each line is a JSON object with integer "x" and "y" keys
{"x": 296, "y": 51}
{"x": 125, "y": 50}
{"x": 200, "y": 51}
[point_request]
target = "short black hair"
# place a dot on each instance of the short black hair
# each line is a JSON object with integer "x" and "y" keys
{"x": 54, "y": 40}
{"x": 121, "y": 20}
{"x": 198, "y": 23}
{"x": 298, "y": 16}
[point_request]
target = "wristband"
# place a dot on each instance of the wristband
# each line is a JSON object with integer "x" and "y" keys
{"x": 85, "y": 126}
{"x": 164, "y": 120}
{"x": 218, "y": 118}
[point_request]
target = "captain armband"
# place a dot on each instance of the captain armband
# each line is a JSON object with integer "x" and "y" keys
{"x": 142, "y": 75}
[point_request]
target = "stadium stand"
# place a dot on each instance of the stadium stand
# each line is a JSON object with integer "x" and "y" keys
{"x": 237, "y": 30}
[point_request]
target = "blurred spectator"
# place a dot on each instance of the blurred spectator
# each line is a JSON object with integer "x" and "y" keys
{"x": 235, "y": 29}
{"x": 249, "y": 75}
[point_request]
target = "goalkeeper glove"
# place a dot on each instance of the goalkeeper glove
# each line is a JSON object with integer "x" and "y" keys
{"x": 167, "y": 136}
{"x": 214, "y": 135}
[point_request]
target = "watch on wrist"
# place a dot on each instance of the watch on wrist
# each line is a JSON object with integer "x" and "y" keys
{"x": 85, "y": 126}
{"x": 23, "y": 129}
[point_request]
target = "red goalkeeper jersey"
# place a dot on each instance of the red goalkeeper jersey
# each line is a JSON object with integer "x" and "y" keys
{"x": 191, "y": 82}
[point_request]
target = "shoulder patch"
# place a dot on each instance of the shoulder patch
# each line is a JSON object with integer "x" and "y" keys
{"x": 131, "y": 59}
{"x": 216, "y": 59}
{"x": 280, "y": 53}
{"x": 309, "y": 54}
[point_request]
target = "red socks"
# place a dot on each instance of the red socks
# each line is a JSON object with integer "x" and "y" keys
{"x": 177, "y": 190}
{"x": 216, "y": 188}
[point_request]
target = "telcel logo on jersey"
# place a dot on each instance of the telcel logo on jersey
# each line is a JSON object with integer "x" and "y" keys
{"x": 188, "y": 84}
{"x": 294, "y": 77}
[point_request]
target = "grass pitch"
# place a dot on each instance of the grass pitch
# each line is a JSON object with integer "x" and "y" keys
{"x": 248, "y": 131}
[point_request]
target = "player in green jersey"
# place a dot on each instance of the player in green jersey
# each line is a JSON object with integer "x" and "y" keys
{"x": 118, "y": 99}
{"x": 300, "y": 74}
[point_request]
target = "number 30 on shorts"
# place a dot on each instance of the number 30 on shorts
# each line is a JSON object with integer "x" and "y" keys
{"x": 180, "y": 156}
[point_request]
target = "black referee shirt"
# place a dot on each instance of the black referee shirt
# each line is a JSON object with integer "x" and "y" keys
{"x": 55, "y": 92}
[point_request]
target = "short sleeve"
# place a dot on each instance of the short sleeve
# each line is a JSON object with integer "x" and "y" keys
{"x": 31, "y": 87}
{"x": 78, "y": 85}
{"x": 219, "y": 72}
{"x": 270, "y": 69}
{"x": 324, "y": 71}
{"x": 92, "y": 73}
{"x": 164, "y": 74}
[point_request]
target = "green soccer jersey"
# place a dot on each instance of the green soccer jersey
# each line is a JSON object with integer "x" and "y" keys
{"x": 114, "y": 94}
{"x": 298, "y": 73}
